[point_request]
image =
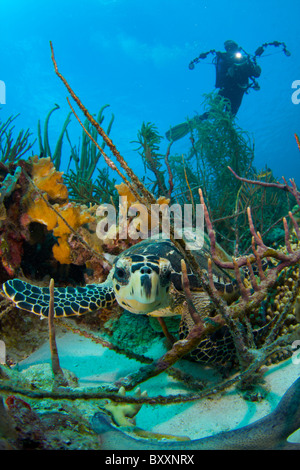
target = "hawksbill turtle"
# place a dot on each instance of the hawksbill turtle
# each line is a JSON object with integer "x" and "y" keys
{"x": 144, "y": 279}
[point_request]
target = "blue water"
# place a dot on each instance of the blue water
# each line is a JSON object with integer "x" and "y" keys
{"x": 134, "y": 55}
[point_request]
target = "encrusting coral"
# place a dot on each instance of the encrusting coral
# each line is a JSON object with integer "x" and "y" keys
{"x": 49, "y": 181}
{"x": 76, "y": 217}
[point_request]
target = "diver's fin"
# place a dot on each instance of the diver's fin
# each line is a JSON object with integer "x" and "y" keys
{"x": 177, "y": 132}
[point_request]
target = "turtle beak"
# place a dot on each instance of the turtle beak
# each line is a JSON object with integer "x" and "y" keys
{"x": 146, "y": 285}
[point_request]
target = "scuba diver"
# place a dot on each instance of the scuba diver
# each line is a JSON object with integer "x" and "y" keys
{"x": 236, "y": 73}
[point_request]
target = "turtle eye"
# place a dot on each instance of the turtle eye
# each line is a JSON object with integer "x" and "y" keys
{"x": 168, "y": 274}
{"x": 120, "y": 273}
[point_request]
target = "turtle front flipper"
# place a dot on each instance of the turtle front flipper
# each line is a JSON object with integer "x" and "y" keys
{"x": 68, "y": 301}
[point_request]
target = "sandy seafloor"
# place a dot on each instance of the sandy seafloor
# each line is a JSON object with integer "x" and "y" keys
{"x": 95, "y": 365}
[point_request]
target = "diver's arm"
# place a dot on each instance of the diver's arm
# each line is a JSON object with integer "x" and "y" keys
{"x": 256, "y": 70}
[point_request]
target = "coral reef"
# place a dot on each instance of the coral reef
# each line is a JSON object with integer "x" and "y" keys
{"x": 36, "y": 213}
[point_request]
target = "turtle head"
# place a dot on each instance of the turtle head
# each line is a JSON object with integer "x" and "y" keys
{"x": 141, "y": 282}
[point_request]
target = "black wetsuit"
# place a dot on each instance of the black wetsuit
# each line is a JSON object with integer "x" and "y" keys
{"x": 233, "y": 71}
{"x": 232, "y": 76}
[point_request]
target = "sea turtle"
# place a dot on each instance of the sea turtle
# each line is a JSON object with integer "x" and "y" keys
{"x": 144, "y": 279}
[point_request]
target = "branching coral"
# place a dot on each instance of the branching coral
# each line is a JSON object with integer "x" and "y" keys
{"x": 13, "y": 149}
{"x": 59, "y": 378}
{"x": 297, "y": 140}
{"x": 149, "y": 140}
{"x": 250, "y": 357}
{"x": 87, "y": 157}
{"x": 45, "y": 149}
{"x": 97, "y": 191}
{"x": 83, "y": 187}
